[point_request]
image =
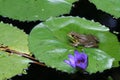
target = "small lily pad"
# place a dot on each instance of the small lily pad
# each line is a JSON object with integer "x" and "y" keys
{"x": 50, "y": 44}
{"x": 16, "y": 40}
{"x": 110, "y": 6}
{"x": 11, "y": 65}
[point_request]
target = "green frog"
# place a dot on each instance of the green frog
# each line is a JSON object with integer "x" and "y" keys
{"x": 86, "y": 40}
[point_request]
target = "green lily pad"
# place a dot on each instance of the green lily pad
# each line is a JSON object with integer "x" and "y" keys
{"x": 49, "y": 42}
{"x": 14, "y": 38}
{"x": 10, "y": 63}
{"x": 110, "y": 6}
{"x": 31, "y": 10}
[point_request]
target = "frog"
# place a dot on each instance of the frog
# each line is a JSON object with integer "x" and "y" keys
{"x": 85, "y": 40}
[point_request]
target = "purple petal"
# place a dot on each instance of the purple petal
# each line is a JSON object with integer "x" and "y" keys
{"x": 67, "y": 61}
{"x": 72, "y": 60}
{"x": 82, "y": 66}
{"x": 77, "y": 54}
{"x": 81, "y": 60}
{"x": 85, "y": 57}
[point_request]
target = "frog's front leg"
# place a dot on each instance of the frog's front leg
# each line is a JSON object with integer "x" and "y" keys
{"x": 75, "y": 44}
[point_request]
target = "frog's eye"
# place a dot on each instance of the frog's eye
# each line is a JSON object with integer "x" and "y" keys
{"x": 72, "y": 35}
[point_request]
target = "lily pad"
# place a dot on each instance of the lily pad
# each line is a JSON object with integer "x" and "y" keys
{"x": 31, "y": 10}
{"x": 11, "y": 65}
{"x": 110, "y": 6}
{"x": 49, "y": 42}
{"x": 14, "y": 40}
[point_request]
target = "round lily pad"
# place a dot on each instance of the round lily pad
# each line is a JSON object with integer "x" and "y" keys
{"x": 31, "y": 10}
{"x": 50, "y": 43}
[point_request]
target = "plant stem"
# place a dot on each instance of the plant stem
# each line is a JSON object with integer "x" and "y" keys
{"x": 10, "y": 51}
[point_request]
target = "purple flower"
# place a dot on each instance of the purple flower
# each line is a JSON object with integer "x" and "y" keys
{"x": 79, "y": 60}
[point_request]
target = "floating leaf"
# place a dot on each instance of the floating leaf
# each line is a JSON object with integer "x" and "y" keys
{"x": 49, "y": 42}
{"x": 12, "y": 39}
{"x": 11, "y": 65}
{"x": 32, "y": 10}
{"x": 110, "y": 6}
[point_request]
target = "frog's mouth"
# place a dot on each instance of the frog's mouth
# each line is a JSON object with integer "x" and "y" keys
{"x": 84, "y": 40}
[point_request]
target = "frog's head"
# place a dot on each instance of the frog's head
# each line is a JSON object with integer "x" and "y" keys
{"x": 73, "y": 38}
{"x": 73, "y": 35}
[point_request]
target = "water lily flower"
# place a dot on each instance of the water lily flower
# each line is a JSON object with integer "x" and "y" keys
{"x": 79, "y": 60}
